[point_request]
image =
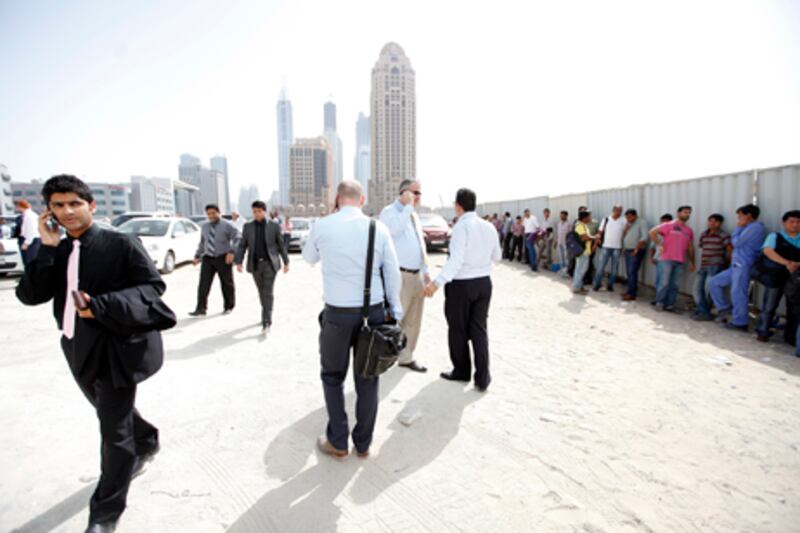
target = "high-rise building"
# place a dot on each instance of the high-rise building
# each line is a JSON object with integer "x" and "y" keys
{"x": 30, "y": 191}
{"x": 211, "y": 181}
{"x": 164, "y": 194}
{"x": 393, "y": 124}
{"x": 247, "y": 195}
{"x": 362, "y": 162}
{"x": 335, "y": 143}
{"x": 212, "y": 188}
{"x": 311, "y": 169}
{"x": 220, "y": 162}
{"x": 189, "y": 169}
{"x": 6, "y": 193}
{"x": 285, "y": 141}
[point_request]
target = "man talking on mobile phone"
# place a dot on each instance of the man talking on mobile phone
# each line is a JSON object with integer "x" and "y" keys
{"x": 107, "y": 303}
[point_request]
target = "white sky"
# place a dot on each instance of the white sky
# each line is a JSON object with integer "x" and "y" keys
{"x": 515, "y": 98}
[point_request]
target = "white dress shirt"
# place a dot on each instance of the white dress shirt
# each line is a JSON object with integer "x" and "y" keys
{"x": 30, "y": 226}
{"x": 531, "y": 224}
{"x": 474, "y": 246}
{"x": 340, "y": 242}
{"x": 407, "y": 240}
{"x": 614, "y": 229}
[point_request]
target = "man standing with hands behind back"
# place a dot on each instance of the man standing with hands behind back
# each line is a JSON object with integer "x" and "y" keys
{"x": 404, "y": 225}
{"x": 468, "y": 291}
{"x": 106, "y": 296}
{"x": 264, "y": 240}
{"x": 219, "y": 239}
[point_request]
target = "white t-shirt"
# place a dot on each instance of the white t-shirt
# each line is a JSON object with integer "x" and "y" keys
{"x": 531, "y": 224}
{"x": 612, "y": 231}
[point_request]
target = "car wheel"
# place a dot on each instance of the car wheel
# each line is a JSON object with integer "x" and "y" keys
{"x": 169, "y": 263}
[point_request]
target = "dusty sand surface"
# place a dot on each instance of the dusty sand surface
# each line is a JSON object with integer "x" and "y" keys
{"x": 602, "y": 416}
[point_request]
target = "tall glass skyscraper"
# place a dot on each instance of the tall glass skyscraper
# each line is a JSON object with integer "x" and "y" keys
{"x": 335, "y": 143}
{"x": 285, "y": 141}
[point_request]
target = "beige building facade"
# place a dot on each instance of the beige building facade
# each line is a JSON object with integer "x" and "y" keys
{"x": 311, "y": 173}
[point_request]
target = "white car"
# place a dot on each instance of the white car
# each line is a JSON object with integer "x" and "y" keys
{"x": 10, "y": 258}
{"x": 301, "y": 229}
{"x": 168, "y": 240}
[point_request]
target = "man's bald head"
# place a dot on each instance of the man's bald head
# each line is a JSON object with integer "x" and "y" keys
{"x": 349, "y": 192}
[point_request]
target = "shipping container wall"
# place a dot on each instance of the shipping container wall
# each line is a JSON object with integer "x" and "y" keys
{"x": 568, "y": 202}
{"x": 778, "y": 191}
{"x": 600, "y": 203}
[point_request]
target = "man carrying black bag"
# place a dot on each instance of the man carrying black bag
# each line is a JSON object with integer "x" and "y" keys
{"x": 106, "y": 296}
{"x": 340, "y": 241}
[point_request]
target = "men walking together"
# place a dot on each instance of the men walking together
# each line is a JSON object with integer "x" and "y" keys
{"x": 219, "y": 240}
{"x": 262, "y": 237}
{"x": 106, "y": 296}
{"x": 340, "y": 241}
{"x": 406, "y": 231}
{"x": 474, "y": 247}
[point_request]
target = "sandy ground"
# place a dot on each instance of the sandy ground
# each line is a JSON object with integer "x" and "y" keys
{"x": 602, "y": 416}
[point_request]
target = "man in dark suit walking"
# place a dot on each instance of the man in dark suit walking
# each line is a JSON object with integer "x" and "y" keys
{"x": 106, "y": 296}
{"x": 264, "y": 240}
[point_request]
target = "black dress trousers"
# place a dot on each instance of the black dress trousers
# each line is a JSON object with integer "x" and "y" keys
{"x": 211, "y": 266}
{"x": 466, "y": 307}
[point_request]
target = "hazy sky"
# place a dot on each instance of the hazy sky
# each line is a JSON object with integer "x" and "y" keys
{"x": 515, "y": 98}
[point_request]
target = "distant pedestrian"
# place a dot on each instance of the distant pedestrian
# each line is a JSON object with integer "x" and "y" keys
{"x": 611, "y": 231}
{"x": 634, "y": 245}
{"x": 655, "y": 252}
{"x": 563, "y": 227}
{"x": 286, "y": 231}
{"x": 29, "y": 239}
{"x": 676, "y": 250}
{"x": 506, "y": 235}
{"x": 715, "y": 246}
{"x": 545, "y": 242}
{"x": 582, "y": 260}
{"x": 238, "y": 220}
{"x": 531, "y": 224}
{"x": 340, "y": 241}
{"x": 517, "y": 240}
{"x": 468, "y": 292}
{"x": 747, "y": 239}
{"x": 262, "y": 239}
{"x": 219, "y": 240}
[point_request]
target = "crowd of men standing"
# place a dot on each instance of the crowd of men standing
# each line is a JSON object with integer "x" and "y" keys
{"x": 727, "y": 266}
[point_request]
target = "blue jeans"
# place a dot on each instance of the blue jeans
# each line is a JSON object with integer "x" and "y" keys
{"x": 581, "y": 266}
{"x": 737, "y": 278}
{"x": 702, "y": 296}
{"x": 531, "y": 248}
{"x": 772, "y": 298}
{"x": 669, "y": 272}
{"x": 632, "y": 263}
{"x": 605, "y": 255}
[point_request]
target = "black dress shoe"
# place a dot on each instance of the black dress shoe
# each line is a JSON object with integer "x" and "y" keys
{"x": 414, "y": 366}
{"x": 142, "y": 460}
{"x": 227, "y": 311}
{"x": 103, "y": 527}
{"x": 450, "y": 377}
{"x": 197, "y": 313}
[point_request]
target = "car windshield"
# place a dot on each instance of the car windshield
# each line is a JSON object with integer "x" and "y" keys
{"x": 434, "y": 221}
{"x": 301, "y": 225}
{"x": 145, "y": 228}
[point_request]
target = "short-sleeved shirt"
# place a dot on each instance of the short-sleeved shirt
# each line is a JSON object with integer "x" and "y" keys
{"x": 713, "y": 246}
{"x": 772, "y": 240}
{"x": 613, "y": 229}
{"x": 634, "y": 234}
{"x": 583, "y": 229}
{"x": 677, "y": 238}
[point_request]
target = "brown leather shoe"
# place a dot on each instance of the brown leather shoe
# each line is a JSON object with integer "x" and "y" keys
{"x": 363, "y": 455}
{"x": 328, "y": 449}
{"x": 628, "y": 297}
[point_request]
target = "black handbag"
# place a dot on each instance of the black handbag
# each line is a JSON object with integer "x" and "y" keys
{"x": 377, "y": 347}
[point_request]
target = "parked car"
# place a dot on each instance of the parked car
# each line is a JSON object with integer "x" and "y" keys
{"x": 301, "y": 228}
{"x": 168, "y": 241}
{"x": 130, "y": 215}
{"x": 435, "y": 230}
{"x": 10, "y": 256}
{"x": 199, "y": 219}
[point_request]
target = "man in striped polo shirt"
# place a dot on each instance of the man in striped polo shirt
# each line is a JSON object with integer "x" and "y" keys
{"x": 716, "y": 252}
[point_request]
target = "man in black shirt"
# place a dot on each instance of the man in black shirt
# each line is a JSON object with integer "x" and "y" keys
{"x": 264, "y": 240}
{"x": 106, "y": 296}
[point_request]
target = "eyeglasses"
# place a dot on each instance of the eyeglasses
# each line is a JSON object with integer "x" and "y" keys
{"x": 415, "y": 193}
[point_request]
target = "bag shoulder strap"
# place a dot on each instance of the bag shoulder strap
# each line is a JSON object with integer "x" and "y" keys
{"x": 368, "y": 274}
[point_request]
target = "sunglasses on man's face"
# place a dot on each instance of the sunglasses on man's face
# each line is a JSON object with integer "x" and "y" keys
{"x": 415, "y": 193}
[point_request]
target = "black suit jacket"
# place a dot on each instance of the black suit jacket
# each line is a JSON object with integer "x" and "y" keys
{"x": 125, "y": 290}
{"x": 275, "y": 246}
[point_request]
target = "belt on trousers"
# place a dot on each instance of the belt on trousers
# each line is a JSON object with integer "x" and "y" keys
{"x": 409, "y": 271}
{"x": 351, "y": 310}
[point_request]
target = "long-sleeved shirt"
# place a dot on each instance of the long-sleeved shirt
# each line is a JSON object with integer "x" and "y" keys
{"x": 226, "y": 238}
{"x": 473, "y": 248}
{"x": 507, "y": 227}
{"x": 407, "y": 241}
{"x": 747, "y": 241}
{"x": 562, "y": 229}
{"x": 30, "y": 226}
{"x": 340, "y": 241}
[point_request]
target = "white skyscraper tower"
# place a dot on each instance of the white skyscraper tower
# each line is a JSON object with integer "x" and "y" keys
{"x": 285, "y": 141}
{"x": 220, "y": 163}
{"x": 362, "y": 161}
{"x": 335, "y": 143}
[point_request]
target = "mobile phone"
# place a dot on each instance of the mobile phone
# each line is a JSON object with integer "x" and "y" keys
{"x": 52, "y": 223}
{"x": 80, "y": 302}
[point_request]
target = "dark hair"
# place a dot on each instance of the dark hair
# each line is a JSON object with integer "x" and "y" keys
{"x": 582, "y": 208}
{"x": 519, "y": 217}
{"x": 508, "y": 214}
{"x": 565, "y": 212}
{"x": 666, "y": 217}
{"x": 583, "y": 214}
{"x": 466, "y": 199}
{"x": 750, "y": 209}
{"x": 66, "y": 183}
{"x": 716, "y": 216}
{"x": 258, "y": 204}
{"x": 681, "y": 208}
{"x": 215, "y": 207}
{"x": 794, "y": 213}
{"x": 546, "y": 209}
{"x": 631, "y": 212}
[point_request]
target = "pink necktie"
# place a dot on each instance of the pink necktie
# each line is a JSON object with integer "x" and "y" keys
{"x": 72, "y": 285}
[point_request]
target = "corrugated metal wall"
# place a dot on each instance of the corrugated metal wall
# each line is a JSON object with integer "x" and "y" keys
{"x": 569, "y": 203}
{"x": 778, "y": 191}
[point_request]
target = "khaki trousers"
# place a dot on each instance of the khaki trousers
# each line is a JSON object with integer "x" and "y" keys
{"x": 413, "y": 301}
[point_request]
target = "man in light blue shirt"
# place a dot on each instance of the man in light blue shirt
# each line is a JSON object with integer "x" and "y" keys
{"x": 340, "y": 241}
{"x": 406, "y": 230}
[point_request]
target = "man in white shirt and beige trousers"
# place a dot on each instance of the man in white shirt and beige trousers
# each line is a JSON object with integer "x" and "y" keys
{"x": 406, "y": 231}
{"x": 474, "y": 247}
